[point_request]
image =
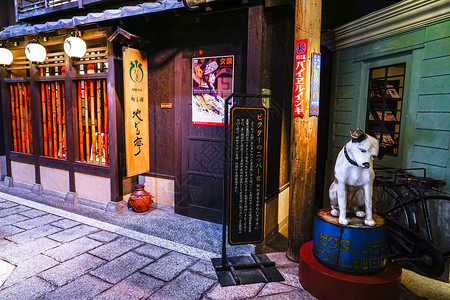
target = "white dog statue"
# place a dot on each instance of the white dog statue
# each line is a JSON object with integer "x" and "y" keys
{"x": 354, "y": 175}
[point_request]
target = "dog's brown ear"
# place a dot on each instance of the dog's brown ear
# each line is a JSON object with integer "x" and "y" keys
{"x": 357, "y": 135}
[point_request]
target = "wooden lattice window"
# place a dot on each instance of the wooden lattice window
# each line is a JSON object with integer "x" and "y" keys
{"x": 384, "y": 107}
{"x": 22, "y": 130}
{"x": 92, "y": 106}
{"x": 53, "y": 105}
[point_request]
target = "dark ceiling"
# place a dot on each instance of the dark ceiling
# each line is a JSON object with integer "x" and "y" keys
{"x": 338, "y": 12}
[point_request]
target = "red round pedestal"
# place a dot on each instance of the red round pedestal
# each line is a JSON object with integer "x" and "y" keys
{"x": 325, "y": 283}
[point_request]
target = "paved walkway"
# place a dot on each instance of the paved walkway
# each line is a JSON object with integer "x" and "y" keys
{"x": 62, "y": 255}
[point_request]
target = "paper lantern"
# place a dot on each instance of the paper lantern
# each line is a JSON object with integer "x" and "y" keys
{"x": 75, "y": 47}
{"x": 35, "y": 52}
{"x": 6, "y": 56}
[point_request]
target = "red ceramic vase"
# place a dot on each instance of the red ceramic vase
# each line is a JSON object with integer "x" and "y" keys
{"x": 140, "y": 200}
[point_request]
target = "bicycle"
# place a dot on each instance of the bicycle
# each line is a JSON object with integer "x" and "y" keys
{"x": 399, "y": 197}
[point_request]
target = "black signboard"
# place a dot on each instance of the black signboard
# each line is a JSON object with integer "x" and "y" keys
{"x": 247, "y": 179}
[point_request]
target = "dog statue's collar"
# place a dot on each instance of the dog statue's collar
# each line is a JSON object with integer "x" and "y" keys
{"x": 348, "y": 157}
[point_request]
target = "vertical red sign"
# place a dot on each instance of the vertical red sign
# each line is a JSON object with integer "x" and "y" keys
{"x": 301, "y": 50}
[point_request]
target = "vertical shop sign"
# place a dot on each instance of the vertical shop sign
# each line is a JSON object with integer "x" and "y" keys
{"x": 315, "y": 85}
{"x": 212, "y": 82}
{"x": 135, "y": 84}
{"x": 247, "y": 180}
{"x": 301, "y": 48}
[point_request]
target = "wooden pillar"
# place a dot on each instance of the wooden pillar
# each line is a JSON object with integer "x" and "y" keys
{"x": 71, "y": 120}
{"x": 36, "y": 119}
{"x": 304, "y": 138}
{"x": 115, "y": 123}
{"x": 258, "y": 50}
{"x": 6, "y": 107}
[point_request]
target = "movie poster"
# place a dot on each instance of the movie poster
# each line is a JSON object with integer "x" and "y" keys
{"x": 212, "y": 83}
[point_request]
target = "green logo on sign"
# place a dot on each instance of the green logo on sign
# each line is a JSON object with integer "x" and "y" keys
{"x": 136, "y": 72}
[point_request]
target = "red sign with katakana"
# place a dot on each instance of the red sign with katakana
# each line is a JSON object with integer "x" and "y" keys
{"x": 301, "y": 51}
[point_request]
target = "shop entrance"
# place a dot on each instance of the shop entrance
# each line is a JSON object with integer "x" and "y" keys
{"x": 203, "y": 139}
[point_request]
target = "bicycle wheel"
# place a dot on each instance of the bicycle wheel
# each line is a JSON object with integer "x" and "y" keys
{"x": 390, "y": 201}
{"x": 437, "y": 219}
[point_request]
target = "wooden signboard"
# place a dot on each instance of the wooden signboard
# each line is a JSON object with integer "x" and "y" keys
{"x": 248, "y": 170}
{"x": 135, "y": 81}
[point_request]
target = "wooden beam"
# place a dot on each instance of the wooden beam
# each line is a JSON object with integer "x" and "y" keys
{"x": 304, "y": 138}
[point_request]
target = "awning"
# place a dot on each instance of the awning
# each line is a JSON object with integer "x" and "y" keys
{"x": 109, "y": 14}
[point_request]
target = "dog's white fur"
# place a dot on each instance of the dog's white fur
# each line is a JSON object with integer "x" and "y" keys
{"x": 352, "y": 187}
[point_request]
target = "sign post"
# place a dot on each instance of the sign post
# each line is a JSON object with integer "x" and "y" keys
{"x": 135, "y": 81}
{"x": 248, "y": 165}
{"x": 245, "y": 193}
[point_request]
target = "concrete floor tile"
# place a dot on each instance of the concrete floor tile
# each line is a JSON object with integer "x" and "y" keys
{"x": 85, "y": 287}
{"x": 18, "y": 253}
{"x": 234, "y": 292}
{"x": 9, "y": 230}
{"x": 65, "y": 223}
{"x": 116, "y": 248}
{"x": 103, "y": 236}
{"x": 136, "y": 286}
{"x": 290, "y": 276}
{"x": 121, "y": 267}
{"x": 187, "y": 286}
{"x": 12, "y": 219}
{"x": 151, "y": 251}
{"x": 169, "y": 266}
{"x": 73, "y": 233}
{"x": 13, "y": 210}
{"x": 35, "y": 222}
{"x": 31, "y": 288}
{"x": 33, "y": 234}
{"x": 204, "y": 268}
{"x": 293, "y": 295}
{"x": 33, "y": 213}
{"x": 71, "y": 269}
{"x": 7, "y": 204}
{"x": 275, "y": 288}
{"x": 74, "y": 248}
{"x": 281, "y": 260}
{"x": 5, "y": 271}
{"x": 30, "y": 268}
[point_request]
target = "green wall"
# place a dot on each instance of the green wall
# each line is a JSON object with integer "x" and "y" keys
{"x": 425, "y": 128}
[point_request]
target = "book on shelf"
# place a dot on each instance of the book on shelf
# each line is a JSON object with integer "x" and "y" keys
{"x": 388, "y": 115}
{"x": 386, "y": 138}
{"x": 393, "y": 93}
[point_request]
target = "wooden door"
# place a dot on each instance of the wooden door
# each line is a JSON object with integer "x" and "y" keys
{"x": 202, "y": 152}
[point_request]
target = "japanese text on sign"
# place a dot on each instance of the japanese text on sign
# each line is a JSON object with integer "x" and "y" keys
{"x": 369, "y": 255}
{"x": 247, "y": 175}
{"x": 212, "y": 83}
{"x": 301, "y": 51}
{"x": 136, "y": 111}
{"x": 315, "y": 85}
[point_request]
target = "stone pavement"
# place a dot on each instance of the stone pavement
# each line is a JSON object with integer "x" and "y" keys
{"x": 61, "y": 255}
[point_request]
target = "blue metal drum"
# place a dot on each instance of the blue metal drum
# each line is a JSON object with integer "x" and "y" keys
{"x": 353, "y": 248}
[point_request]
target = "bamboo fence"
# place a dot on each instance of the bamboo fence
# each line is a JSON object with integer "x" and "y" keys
{"x": 21, "y": 118}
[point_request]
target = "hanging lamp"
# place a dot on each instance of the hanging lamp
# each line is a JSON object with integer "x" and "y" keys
{"x": 75, "y": 47}
{"x": 6, "y": 56}
{"x": 35, "y": 52}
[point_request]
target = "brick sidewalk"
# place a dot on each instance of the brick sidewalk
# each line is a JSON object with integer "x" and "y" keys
{"x": 56, "y": 257}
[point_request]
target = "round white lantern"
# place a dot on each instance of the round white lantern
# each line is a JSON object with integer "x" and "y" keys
{"x": 6, "y": 56}
{"x": 35, "y": 52}
{"x": 75, "y": 47}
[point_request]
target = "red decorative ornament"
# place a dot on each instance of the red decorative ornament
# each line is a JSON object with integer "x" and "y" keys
{"x": 140, "y": 200}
